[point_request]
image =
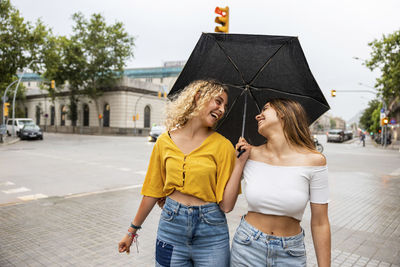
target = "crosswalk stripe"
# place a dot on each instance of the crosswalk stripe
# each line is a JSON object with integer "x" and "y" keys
{"x": 395, "y": 172}
{"x": 16, "y": 190}
{"x": 32, "y": 197}
{"x": 6, "y": 183}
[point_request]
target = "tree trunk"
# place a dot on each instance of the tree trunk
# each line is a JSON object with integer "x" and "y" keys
{"x": 98, "y": 116}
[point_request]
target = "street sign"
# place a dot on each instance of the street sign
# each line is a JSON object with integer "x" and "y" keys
{"x": 383, "y": 115}
{"x": 382, "y": 110}
{"x": 392, "y": 121}
{"x": 4, "y": 98}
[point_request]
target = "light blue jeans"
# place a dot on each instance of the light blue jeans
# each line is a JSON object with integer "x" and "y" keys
{"x": 251, "y": 247}
{"x": 192, "y": 236}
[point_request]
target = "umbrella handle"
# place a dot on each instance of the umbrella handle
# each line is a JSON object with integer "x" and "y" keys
{"x": 241, "y": 151}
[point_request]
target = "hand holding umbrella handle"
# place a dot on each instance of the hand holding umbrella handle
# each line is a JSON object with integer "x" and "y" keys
{"x": 241, "y": 151}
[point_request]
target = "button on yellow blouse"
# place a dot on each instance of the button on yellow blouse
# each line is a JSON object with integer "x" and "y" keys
{"x": 202, "y": 173}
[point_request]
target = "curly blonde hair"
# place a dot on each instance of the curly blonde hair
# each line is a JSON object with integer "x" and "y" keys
{"x": 183, "y": 106}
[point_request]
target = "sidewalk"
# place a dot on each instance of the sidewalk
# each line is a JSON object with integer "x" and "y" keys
{"x": 8, "y": 140}
{"x": 85, "y": 230}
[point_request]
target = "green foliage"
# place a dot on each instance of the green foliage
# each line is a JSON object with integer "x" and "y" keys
{"x": 101, "y": 51}
{"x": 20, "y": 43}
{"x": 370, "y": 119}
{"x": 386, "y": 57}
{"x": 90, "y": 60}
{"x": 333, "y": 123}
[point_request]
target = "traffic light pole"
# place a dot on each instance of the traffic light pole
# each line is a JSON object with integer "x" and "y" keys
{"x": 3, "y": 123}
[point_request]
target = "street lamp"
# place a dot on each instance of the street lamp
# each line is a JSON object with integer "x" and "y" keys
{"x": 15, "y": 94}
{"x": 383, "y": 126}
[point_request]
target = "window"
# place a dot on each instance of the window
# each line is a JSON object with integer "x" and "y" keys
{"x": 106, "y": 114}
{"x": 52, "y": 115}
{"x": 147, "y": 115}
{"x": 63, "y": 114}
{"x": 85, "y": 115}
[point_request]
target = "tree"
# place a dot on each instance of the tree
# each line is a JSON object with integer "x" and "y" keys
{"x": 20, "y": 43}
{"x": 370, "y": 119}
{"x": 332, "y": 123}
{"x": 99, "y": 52}
{"x": 386, "y": 57}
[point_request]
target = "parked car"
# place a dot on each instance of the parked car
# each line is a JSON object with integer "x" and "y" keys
{"x": 348, "y": 135}
{"x": 31, "y": 131}
{"x": 19, "y": 123}
{"x": 155, "y": 132}
{"x": 335, "y": 135}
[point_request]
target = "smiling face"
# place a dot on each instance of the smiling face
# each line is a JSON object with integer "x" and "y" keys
{"x": 214, "y": 110}
{"x": 267, "y": 118}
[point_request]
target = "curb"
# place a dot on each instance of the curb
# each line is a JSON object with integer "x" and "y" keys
{"x": 13, "y": 141}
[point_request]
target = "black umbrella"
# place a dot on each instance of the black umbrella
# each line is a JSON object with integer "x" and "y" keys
{"x": 256, "y": 68}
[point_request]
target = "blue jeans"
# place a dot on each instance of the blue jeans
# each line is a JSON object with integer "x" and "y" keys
{"x": 251, "y": 247}
{"x": 192, "y": 236}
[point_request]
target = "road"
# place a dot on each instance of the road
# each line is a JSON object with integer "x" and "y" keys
{"x": 67, "y": 200}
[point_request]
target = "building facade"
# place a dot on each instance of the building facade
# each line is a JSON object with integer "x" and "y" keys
{"x": 131, "y": 107}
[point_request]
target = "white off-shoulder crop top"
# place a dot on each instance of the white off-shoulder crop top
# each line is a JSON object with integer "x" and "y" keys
{"x": 284, "y": 190}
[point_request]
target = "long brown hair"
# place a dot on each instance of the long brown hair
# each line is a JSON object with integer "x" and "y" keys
{"x": 294, "y": 122}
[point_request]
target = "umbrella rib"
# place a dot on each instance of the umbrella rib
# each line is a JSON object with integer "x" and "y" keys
{"x": 230, "y": 59}
{"x": 266, "y": 63}
{"x": 255, "y": 101}
{"x": 293, "y": 94}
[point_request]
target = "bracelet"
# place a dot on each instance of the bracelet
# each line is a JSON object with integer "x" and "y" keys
{"x": 131, "y": 235}
{"x": 136, "y": 227}
{"x": 134, "y": 240}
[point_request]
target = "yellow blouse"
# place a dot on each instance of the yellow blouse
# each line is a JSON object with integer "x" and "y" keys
{"x": 202, "y": 173}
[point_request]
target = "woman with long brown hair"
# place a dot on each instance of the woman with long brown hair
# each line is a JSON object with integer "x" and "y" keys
{"x": 280, "y": 178}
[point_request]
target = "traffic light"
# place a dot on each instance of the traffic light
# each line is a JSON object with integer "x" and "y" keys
{"x": 52, "y": 84}
{"x": 333, "y": 93}
{"x": 159, "y": 94}
{"x": 5, "y": 111}
{"x": 100, "y": 116}
{"x": 223, "y": 19}
{"x": 165, "y": 94}
{"x": 385, "y": 121}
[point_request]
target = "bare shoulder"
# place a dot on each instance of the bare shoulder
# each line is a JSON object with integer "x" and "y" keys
{"x": 316, "y": 159}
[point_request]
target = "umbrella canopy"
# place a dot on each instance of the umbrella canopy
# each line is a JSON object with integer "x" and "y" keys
{"x": 256, "y": 68}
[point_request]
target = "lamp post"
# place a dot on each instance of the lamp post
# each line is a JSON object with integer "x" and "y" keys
{"x": 383, "y": 127}
{"x": 15, "y": 93}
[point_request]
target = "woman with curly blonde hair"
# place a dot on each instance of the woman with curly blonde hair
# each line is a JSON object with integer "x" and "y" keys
{"x": 190, "y": 165}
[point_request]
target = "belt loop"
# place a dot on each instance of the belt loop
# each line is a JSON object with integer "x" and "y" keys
{"x": 283, "y": 242}
{"x": 177, "y": 207}
{"x": 257, "y": 235}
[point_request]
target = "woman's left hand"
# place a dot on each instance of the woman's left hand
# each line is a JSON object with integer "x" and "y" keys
{"x": 243, "y": 145}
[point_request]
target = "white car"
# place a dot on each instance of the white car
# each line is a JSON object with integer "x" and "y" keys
{"x": 19, "y": 123}
{"x": 155, "y": 132}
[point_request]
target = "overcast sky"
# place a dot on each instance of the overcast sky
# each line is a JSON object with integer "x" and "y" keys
{"x": 330, "y": 32}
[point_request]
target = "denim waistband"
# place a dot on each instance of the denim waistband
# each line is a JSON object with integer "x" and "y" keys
{"x": 176, "y": 206}
{"x": 284, "y": 241}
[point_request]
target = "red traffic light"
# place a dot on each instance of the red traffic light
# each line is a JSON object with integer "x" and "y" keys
{"x": 219, "y": 11}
